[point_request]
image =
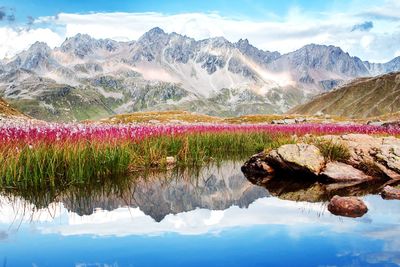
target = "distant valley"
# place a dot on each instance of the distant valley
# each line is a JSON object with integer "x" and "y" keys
{"x": 87, "y": 78}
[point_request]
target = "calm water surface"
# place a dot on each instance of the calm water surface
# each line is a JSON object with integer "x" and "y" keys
{"x": 213, "y": 218}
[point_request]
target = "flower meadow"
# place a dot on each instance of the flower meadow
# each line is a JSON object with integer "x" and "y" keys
{"x": 58, "y": 154}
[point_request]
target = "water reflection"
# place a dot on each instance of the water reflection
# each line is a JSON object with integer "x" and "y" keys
{"x": 297, "y": 188}
{"x": 216, "y": 218}
{"x": 155, "y": 194}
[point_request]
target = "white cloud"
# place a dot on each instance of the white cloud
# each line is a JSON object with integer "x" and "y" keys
{"x": 132, "y": 221}
{"x": 126, "y": 221}
{"x": 15, "y": 40}
{"x": 296, "y": 29}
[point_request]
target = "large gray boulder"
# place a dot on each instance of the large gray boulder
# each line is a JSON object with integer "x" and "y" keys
{"x": 341, "y": 172}
{"x": 297, "y": 157}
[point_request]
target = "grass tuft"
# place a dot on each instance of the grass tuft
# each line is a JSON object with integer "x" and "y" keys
{"x": 333, "y": 151}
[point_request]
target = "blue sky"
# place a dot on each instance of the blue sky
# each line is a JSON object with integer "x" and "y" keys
{"x": 364, "y": 28}
{"x": 241, "y": 8}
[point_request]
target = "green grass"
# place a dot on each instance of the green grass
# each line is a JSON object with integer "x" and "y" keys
{"x": 82, "y": 162}
{"x": 332, "y": 151}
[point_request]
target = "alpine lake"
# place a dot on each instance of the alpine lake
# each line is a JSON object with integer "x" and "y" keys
{"x": 212, "y": 216}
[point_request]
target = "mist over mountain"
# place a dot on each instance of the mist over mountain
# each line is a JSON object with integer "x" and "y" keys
{"x": 93, "y": 78}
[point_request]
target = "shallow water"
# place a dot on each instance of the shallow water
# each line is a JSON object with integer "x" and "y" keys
{"x": 213, "y": 218}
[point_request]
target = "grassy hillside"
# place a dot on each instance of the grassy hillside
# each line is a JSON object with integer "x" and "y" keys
{"x": 7, "y": 110}
{"x": 362, "y": 98}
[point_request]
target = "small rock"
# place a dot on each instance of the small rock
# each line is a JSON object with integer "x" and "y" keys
{"x": 347, "y": 206}
{"x": 289, "y": 121}
{"x": 391, "y": 124}
{"x": 300, "y": 120}
{"x": 375, "y": 123}
{"x": 277, "y": 122}
{"x": 341, "y": 172}
{"x": 390, "y": 192}
{"x": 170, "y": 160}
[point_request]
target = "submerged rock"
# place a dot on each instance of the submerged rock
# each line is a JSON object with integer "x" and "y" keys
{"x": 341, "y": 172}
{"x": 390, "y": 192}
{"x": 347, "y": 206}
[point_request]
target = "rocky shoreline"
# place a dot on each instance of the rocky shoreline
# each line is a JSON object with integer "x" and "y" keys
{"x": 303, "y": 171}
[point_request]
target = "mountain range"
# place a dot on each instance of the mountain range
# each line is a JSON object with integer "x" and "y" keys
{"x": 87, "y": 78}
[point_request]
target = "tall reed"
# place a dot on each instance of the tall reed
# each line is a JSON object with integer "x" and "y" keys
{"x": 60, "y": 154}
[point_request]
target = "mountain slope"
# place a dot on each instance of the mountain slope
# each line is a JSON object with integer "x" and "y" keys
{"x": 87, "y": 78}
{"x": 362, "y": 98}
{"x": 6, "y": 110}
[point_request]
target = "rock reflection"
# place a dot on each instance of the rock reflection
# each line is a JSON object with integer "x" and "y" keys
{"x": 306, "y": 189}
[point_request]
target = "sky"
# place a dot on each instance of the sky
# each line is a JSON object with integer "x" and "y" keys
{"x": 369, "y": 29}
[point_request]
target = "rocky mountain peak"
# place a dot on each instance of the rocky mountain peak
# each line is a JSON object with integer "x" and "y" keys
{"x": 242, "y": 43}
{"x": 40, "y": 47}
{"x": 156, "y": 31}
{"x": 217, "y": 42}
{"x": 76, "y": 40}
{"x": 318, "y": 50}
{"x": 394, "y": 64}
{"x": 36, "y": 57}
{"x": 150, "y": 45}
{"x": 83, "y": 44}
{"x": 256, "y": 54}
{"x": 154, "y": 35}
{"x": 329, "y": 58}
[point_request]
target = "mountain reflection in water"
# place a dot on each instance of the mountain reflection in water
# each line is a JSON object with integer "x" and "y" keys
{"x": 166, "y": 219}
{"x": 157, "y": 194}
